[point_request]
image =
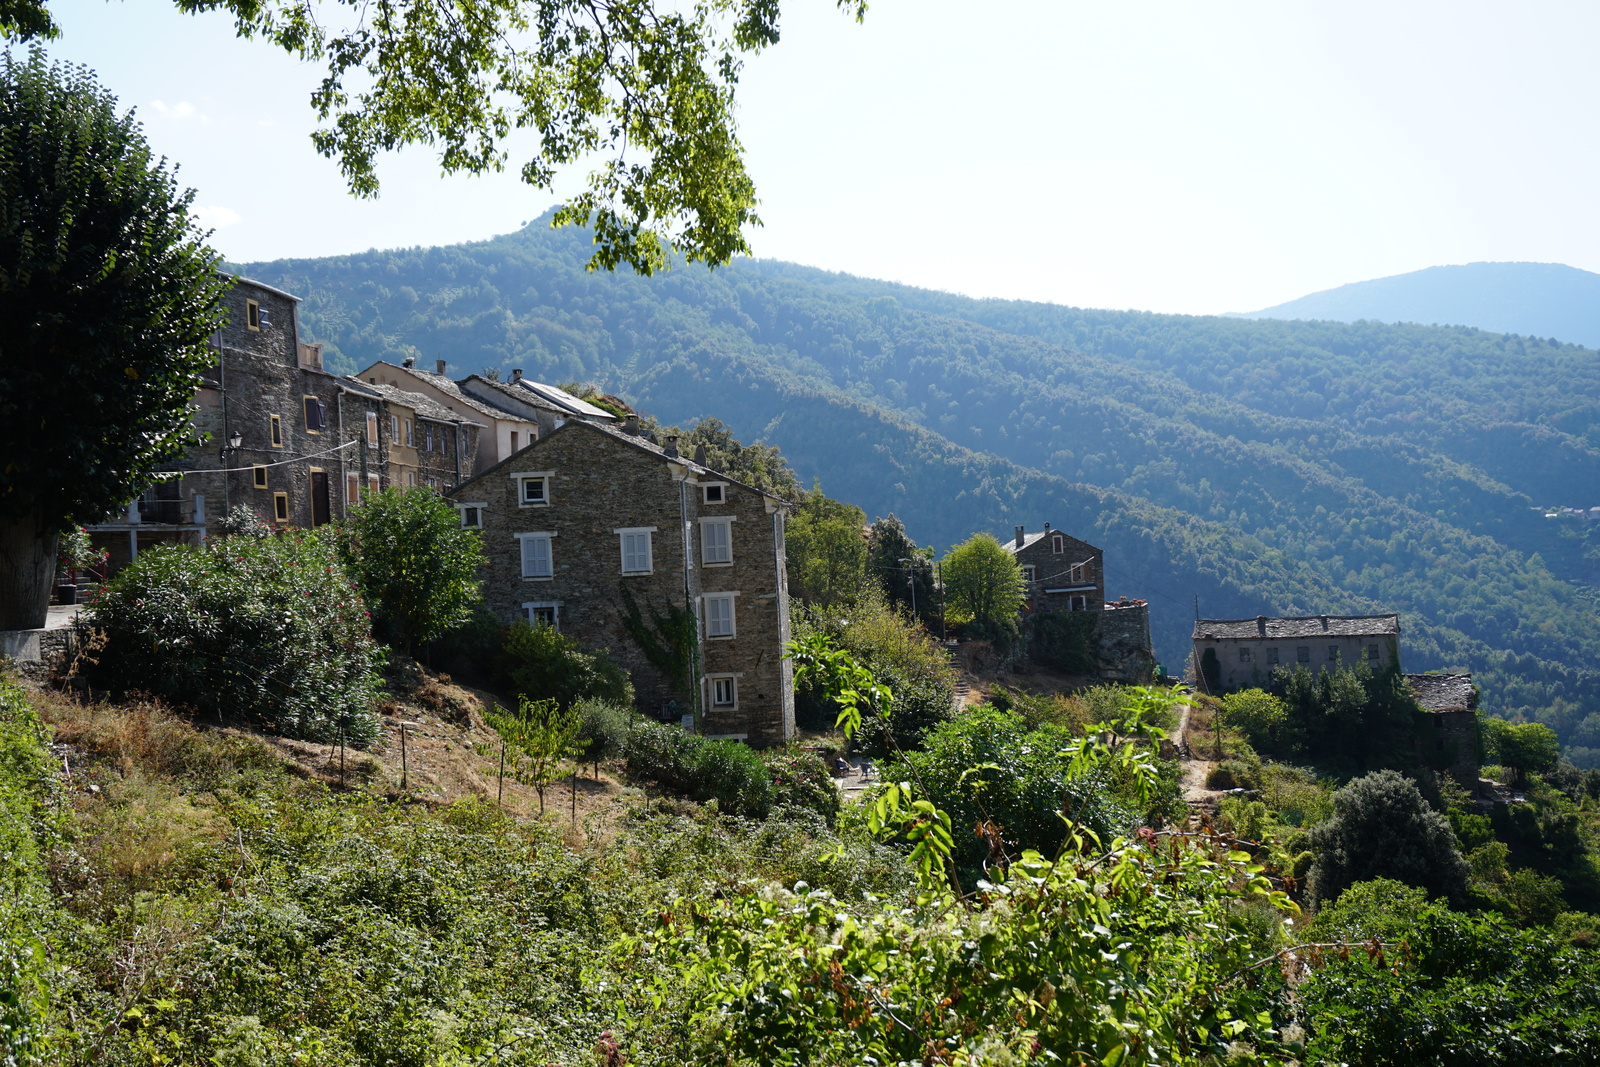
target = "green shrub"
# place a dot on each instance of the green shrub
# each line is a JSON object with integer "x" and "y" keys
{"x": 269, "y": 629}
{"x": 604, "y": 730}
{"x": 415, "y": 564}
{"x": 801, "y": 780}
{"x": 988, "y": 769}
{"x": 1235, "y": 774}
{"x": 729, "y": 772}
{"x": 541, "y": 663}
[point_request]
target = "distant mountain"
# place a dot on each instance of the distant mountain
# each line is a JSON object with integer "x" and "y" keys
{"x": 1532, "y": 299}
{"x": 1263, "y": 467}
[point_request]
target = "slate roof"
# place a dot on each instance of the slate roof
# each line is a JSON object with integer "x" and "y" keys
{"x": 1031, "y": 539}
{"x": 1264, "y": 627}
{"x": 1443, "y": 692}
{"x": 424, "y": 406}
{"x": 641, "y": 443}
{"x": 446, "y": 386}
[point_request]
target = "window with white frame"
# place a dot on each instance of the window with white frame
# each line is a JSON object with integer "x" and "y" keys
{"x": 719, "y": 614}
{"x": 1077, "y": 572}
{"x": 714, "y": 493}
{"x": 724, "y": 690}
{"x": 537, "y": 561}
{"x": 1058, "y": 544}
{"x": 1028, "y": 573}
{"x": 716, "y": 541}
{"x": 543, "y": 612}
{"x": 637, "y": 555}
{"x": 472, "y": 514}
{"x": 533, "y": 488}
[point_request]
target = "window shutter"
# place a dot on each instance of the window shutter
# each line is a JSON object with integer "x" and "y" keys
{"x": 536, "y": 557}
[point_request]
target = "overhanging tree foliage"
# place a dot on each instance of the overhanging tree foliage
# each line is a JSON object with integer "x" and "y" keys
{"x": 108, "y": 294}
{"x": 644, "y": 86}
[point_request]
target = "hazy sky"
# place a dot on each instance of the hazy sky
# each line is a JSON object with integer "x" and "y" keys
{"x": 1162, "y": 154}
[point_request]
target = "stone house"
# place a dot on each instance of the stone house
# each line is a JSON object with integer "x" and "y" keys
{"x": 426, "y": 443}
{"x": 1450, "y": 741}
{"x": 676, "y": 569}
{"x": 277, "y": 431}
{"x": 1062, "y": 572}
{"x": 1238, "y": 653}
{"x": 548, "y": 406}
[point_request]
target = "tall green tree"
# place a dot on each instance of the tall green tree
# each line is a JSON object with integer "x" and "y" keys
{"x": 827, "y": 549}
{"x": 416, "y": 566}
{"x": 108, "y": 295}
{"x": 1527, "y": 748}
{"x": 904, "y": 570}
{"x": 983, "y": 584}
{"x": 644, "y": 86}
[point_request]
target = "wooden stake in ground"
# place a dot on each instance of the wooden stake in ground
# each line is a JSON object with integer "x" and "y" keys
{"x": 341, "y": 757}
{"x": 500, "y": 796}
{"x": 574, "y": 792}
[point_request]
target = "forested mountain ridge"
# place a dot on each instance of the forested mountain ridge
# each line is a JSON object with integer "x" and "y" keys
{"x": 1263, "y": 466}
{"x": 1543, "y": 299}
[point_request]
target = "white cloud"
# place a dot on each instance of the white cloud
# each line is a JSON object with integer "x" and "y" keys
{"x": 181, "y": 111}
{"x": 215, "y": 216}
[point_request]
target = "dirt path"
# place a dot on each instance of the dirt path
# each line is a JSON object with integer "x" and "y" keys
{"x": 1195, "y": 770}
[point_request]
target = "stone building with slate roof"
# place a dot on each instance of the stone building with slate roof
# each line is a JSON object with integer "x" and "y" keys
{"x": 604, "y": 535}
{"x": 1239, "y": 653}
{"x": 299, "y": 430}
{"x": 1451, "y": 742}
{"x": 1062, "y": 572}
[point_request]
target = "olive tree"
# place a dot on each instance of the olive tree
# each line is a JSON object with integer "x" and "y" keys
{"x": 108, "y": 295}
{"x": 1383, "y": 828}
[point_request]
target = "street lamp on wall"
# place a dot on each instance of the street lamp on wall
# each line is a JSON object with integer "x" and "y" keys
{"x": 234, "y": 441}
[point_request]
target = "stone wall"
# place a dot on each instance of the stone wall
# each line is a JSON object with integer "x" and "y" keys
{"x": 599, "y": 482}
{"x": 1122, "y": 649}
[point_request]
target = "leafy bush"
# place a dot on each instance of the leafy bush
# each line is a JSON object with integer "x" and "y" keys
{"x": 415, "y": 564}
{"x": 729, "y": 772}
{"x": 988, "y": 770}
{"x": 1464, "y": 990}
{"x": 1382, "y": 828}
{"x": 539, "y": 662}
{"x": 801, "y": 780}
{"x": 1063, "y": 640}
{"x": 269, "y": 629}
{"x": 1381, "y": 908}
{"x": 603, "y": 730}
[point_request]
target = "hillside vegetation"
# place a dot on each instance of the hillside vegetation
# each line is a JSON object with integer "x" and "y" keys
{"x": 1261, "y": 467}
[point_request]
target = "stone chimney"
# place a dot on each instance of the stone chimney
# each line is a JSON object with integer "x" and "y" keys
{"x": 672, "y": 445}
{"x": 700, "y": 454}
{"x": 409, "y": 361}
{"x": 438, "y": 366}
{"x": 516, "y": 374}
{"x": 630, "y": 425}
{"x": 1047, "y": 527}
{"x": 1019, "y": 537}
{"x": 1261, "y": 625}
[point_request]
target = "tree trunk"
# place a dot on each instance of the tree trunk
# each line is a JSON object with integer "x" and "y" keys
{"x": 27, "y": 567}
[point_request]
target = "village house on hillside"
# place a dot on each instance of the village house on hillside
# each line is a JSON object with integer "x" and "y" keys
{"x": 515, "y": 413}
{"x": 1451, "y": 701}
{"x": 1062, "y": 572}
{"x": 1237, "y": 653}
{"x": 1065, "y": 574}
{"x": 276, "y": 431}
{"x": 618, "y": 542}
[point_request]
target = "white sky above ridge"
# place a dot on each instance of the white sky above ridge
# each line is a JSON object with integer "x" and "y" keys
{"x": 1164, "y": 155}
